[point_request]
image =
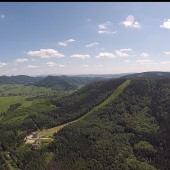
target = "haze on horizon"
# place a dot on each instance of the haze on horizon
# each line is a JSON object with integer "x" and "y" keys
{"x": 41, "y": 38}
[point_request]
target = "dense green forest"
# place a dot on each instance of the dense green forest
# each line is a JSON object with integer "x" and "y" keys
{"x": 130, "y": 132}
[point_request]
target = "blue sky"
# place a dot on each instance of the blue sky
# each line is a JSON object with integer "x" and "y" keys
{"x": 41, "y": 38}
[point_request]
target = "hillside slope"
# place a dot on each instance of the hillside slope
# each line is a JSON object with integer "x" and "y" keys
{"x": 61, "y": 83}
{"x": 132, "y": 132}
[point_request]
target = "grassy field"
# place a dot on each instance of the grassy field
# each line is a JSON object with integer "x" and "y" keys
{"x": 17, "y": 116}
{"x": 22, "y": 90}
{"x": 5, "y": 102}
{"x": 118, "y": 91}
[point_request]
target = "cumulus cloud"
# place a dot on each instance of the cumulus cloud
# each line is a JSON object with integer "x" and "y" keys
{"x": 130, "y": 22}
{"x": 166, "y": 24}
{"x": 3, "y": 64}
{"x": 2, "y": 16}
{"x": 82, "y": 56}
{"x": 92, "y": 44}
{"x": 21, "y": 60}
{"x": 45, "y": 53}
{"x": 32, "y": 66}
{"x": 120, "y": 53}
{"x": 65, "y": 43}
{"x": 144, "y": 55}
{"x": 167, "y": 52}
{"x": 105, "y": 55}
{"x": 51, "y": 64}
{"x": 105, "y": 28}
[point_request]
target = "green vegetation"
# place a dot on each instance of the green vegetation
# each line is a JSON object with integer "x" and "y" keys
{"x": 114, "y": 124}
{"x": 25, "y": 90}
{"x": 65, "y": 83}
{"x": 7, "y": 101}
{"x": 117, "y": 92}
{"x": 51, "y": 131}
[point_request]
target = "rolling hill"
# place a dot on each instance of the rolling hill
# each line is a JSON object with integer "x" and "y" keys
{"x": 20, "y": 79}
{"x": 62, "y": 83}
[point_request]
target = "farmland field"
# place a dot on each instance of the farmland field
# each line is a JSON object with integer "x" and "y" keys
{"x": 7, "y": 101}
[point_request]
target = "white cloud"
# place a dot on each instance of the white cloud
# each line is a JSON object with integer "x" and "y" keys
{"x": 61, "y": 65}
{"x": 70, "y": 40}
{"x": 121, "y": 54}
{"x": 99, "y": 65}
{"x": 65, "y": 43}
{"x": 62, "y": 44}
{"x": 3, "y": 64}
{"x": 21, "y": 60}
{"x": 82, "y": 56}
{"x": 125, "y": 49}
{"x": 2, "y": 16}
{"x": 166, "y": 24}
{"x": 105, "y": 25}
{"x": 92, "y": 44}
{"x": 45, "y": 53}
{"x": 31, "y": 66}
{"x": 167, "y": 52}
{"x": 51, "y": 64}
{"x": 105, "y": 28}
{"x": 105, "y": 55}
{"x": 131, "y": 23}
{"x": 144, "y": 55}
{"x": 106, "y": 32}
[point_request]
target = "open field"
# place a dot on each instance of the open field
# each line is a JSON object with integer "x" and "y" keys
{"x": 5, "y": 102}
{"x": 23, "y": 90}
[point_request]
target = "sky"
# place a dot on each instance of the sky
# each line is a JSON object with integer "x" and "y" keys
{"x": 73, "y": 38}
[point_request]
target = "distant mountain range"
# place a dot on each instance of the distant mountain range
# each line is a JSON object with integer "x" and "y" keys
{"x": 64, "y": 82}
{"x": 20, "y": 79}
{"x": 150, "y": 75}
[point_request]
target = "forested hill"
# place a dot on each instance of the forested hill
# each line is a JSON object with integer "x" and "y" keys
{"x": 20, "y": 79}
{"x": 150, "y": 75}
{"x": 59, "y": 83}
{"x": 130, "y": 133}
{"x": 66, "y": 82}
